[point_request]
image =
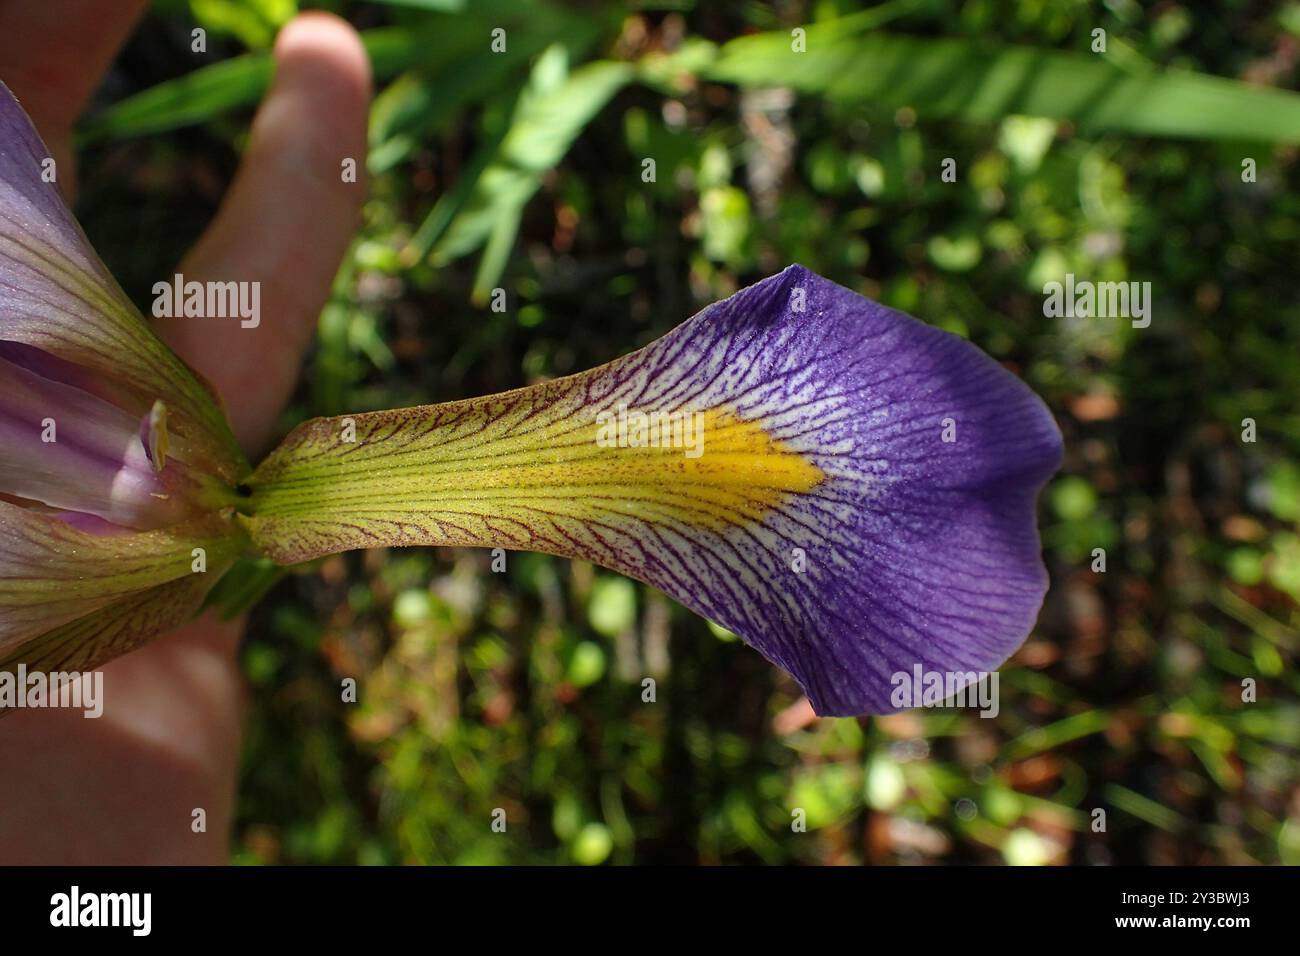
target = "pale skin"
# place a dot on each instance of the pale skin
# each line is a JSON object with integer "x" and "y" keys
{"x": 123, "y": 789}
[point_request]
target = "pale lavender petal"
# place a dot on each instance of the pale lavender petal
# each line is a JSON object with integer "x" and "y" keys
{"x": 69, "y": 449}
{"x": 57, "y": 296}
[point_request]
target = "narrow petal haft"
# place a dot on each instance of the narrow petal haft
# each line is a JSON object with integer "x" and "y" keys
{"x": 860, "y": 498}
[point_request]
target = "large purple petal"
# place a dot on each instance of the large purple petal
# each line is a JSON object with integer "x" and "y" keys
{"x": 921, "y": 545}
{"x": 863, "y": 501}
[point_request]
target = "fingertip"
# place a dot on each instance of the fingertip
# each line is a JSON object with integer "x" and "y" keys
{"x": 319, "y": 101}
{"x": 325, "y": 47}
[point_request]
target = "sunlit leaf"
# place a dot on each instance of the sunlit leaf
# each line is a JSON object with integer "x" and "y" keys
{"x": 984, "y": 82}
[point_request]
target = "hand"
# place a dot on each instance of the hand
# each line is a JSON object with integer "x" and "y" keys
{"x": 122, "y": 788}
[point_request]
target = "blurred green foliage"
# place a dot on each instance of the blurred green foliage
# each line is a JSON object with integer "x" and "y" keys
{"x": 608, "y": 724}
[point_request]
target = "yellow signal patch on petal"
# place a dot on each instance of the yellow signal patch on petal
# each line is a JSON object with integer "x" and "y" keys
{"x": 737, "y": 473}
{"x": 493, "y": 475}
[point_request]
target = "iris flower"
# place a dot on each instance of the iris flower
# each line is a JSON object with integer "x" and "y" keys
{"x": 849, "y": 490}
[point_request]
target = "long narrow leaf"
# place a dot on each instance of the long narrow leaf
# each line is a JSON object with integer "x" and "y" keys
{"x": 983, "y": 82}
{"x": 435, "y": 41}
{"x": 451, "y": 202}
{"x": 232, "y": 84}
{"x": 546, "y": 122}
{"x": 421, "y": 103}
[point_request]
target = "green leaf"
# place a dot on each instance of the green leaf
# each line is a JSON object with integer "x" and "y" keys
{"x": 243, "y": 585}
{"x": 496, "y": 252}
{"x": 1144, "y": 808}
{"x": 450, "y": 203}
{"x": 253, "y": 22}
{"x": 241, "y": 81}
{"x": 423, "y": 101}
{"x": 1055, "y": 734}
{"x": 184, "y": 101}
{"x": 550, "y": 115}
{"x": 612, "y": 608}
{"x": 983, "y": 82}
{"x": 455, "y": 30}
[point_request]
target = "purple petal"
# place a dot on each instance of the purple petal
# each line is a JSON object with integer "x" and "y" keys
{"x": 916, "y": 549}
{"x": 57, "y": 296}
{"x": 913, "y": 550}
{"x": 827, "y": 519}
{"x": 72, "y": 450}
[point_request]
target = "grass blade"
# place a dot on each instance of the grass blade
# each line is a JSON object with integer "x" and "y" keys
{"x": 984, "y": 82}
{"x": 549, "y": 117}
